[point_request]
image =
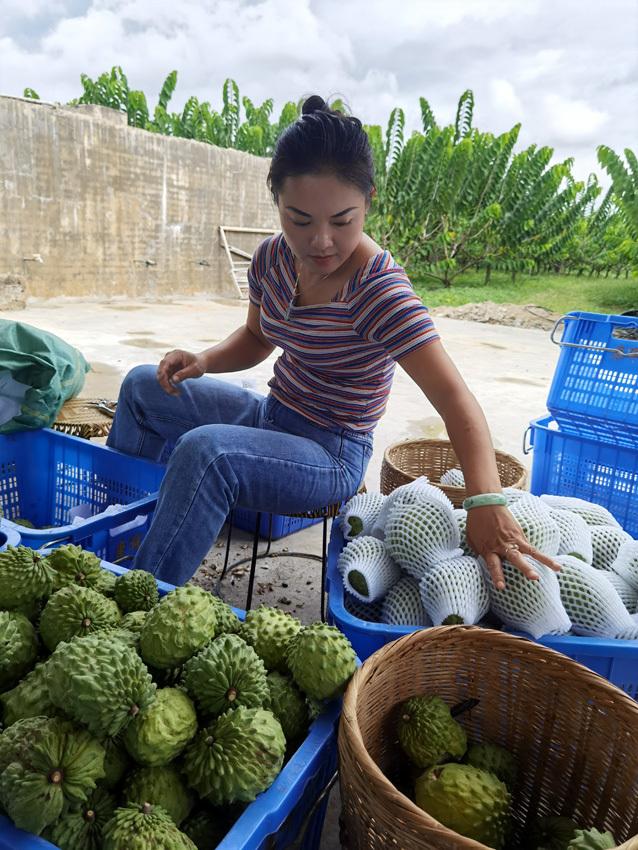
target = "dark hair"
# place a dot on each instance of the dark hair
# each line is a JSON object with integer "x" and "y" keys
{"x": 323, "y": 140}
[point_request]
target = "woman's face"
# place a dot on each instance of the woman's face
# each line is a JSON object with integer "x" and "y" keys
{"x": 322, "y": 219}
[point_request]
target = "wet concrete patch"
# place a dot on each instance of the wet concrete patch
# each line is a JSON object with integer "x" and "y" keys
{"x": 531, "y": 382}
{"x": 145, "y": 343}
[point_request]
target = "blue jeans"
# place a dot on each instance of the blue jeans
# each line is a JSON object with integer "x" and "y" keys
{"x": 233, "y": 447}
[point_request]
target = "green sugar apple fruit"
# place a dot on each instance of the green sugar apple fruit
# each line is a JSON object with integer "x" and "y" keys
{"x": 468, "y": 800}
{"x": 225, "y": 674}
{"x": 289, "y": 706}
{"x": 100, "y": 683}
{"x": 56, "y": 766}
{"x": 269, "y": 631}
{"x": 494, "y": 759}
{"x": 428, "y": 733}
{"x": 179, "y": 625}
{"x": 125, "y": 636}
{"x": 591, "y": 839}
{"x": 134, "y": 621}
{"x": 550, "y": 833}
{"x": 321, "y": 660}
{"x": 237, "y": 757}
{"x": 105, "y": 582}
{"x": 160, "y": 786}
{"x": 81, "y": 827}
{"x": 159, "y": 733}
{"x": 25, "y": 577}
{"x": 18, "y": 648}
{"x": 73, "y": 565}
{"x": 29, "y": 698}
{"x": 75, "y": 611}
{"x": 15, "y": 741}
{"x": 136, "y": 590}
{"x": 227, "y": 621}
{"x": 116, "y": 762}
{"x": 143, "y": 827}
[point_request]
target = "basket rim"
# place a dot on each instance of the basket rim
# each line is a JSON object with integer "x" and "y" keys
{"x": 500, "y": 455}
{"x": 363, "y": 674}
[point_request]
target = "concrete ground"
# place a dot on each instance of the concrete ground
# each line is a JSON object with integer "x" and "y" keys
{"x": 508, "y": 369}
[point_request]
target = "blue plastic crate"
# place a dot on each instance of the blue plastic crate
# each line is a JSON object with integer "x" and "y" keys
{"x": 293, "y": 807}
{"x": 573, "y": 465}
{"x": 44, "y": 475}
{"x": 594, "y": 392}
{"x": 8, "y": 536}
{"x": 281, "y": 525}
{"x": 615, "y": 660}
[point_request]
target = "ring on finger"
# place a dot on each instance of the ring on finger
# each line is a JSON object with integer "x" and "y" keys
{"x": 513, "y": 547}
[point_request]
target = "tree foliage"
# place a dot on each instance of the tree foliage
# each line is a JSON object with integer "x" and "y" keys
{"x": 256, "y": 133}
{"x": 448, "y": 198}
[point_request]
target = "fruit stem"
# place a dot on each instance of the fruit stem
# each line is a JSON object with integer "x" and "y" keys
{"x": 462, "y": 707}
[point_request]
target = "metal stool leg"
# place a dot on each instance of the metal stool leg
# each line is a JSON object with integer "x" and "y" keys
{"x": 324, "y": 568}
{"x": 230, "y": 534}
{"x": 253, "y": 563}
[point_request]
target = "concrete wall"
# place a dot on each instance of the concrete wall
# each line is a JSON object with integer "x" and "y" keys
{"x": 92, "y": 207}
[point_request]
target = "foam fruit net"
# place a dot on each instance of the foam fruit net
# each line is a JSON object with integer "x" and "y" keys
{"x": 455, "y": 588}
{"x": 402, "y": 605}
{"x": 591, "y": 601}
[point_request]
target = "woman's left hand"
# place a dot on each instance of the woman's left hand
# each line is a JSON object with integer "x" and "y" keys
{"x": 493, "y": 533}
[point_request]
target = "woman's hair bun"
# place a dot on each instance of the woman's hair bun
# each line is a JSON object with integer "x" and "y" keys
{"x": 313, "y": 104}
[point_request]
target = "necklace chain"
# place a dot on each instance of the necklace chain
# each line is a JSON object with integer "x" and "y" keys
{"x": 295, "y": 291}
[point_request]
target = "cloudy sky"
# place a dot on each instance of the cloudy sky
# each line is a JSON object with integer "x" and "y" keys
{"x": 566, "y": 69}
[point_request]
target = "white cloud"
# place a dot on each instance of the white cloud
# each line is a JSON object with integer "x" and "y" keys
{"x": 539, "y": 64}
{"x": 573, "y": 120}
{"x": 561, "y": 67}
{"x": 505, "y": 99}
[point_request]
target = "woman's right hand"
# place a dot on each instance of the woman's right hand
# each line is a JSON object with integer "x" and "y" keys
{"x": 177, "y": 366}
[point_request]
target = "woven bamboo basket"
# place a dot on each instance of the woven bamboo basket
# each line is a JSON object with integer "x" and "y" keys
{"x": 407, "y": 460}
{"x": 575, "y": 736}
{"x": 80, "y": 418}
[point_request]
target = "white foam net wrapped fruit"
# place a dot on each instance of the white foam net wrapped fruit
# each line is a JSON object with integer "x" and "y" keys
{"x": 455, "y": 592}
{"x": 592, "y": 513}
{"x": 358, "y": 515}
{"x": 626, "y": 591}
{"x": 461, "y": 518}
{"x": 407, "y": 494}
{"x": 513, "y": 494}
{"x": 420, "y": 535}
{"x": 368, "y": 611}
{"x": 367, "y": 569}
{"x": 453, "y": 478}
{"x": 534, "y": 607}
{"x": 626, "y": 562}
{"x": 575, "y": 535}
{"x": 592, "y": 603}
{"x": 402, "y": 605}
{"x": 606, "y": 541}
{"x": 537, "y": 524}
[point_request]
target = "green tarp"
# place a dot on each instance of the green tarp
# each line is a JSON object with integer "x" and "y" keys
{"x": 38, "y": 373}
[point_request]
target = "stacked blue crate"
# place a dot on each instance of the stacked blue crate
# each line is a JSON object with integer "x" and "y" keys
{"x": 588, "y": 447}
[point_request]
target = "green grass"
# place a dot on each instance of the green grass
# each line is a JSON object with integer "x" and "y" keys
{"x": 558, "y": 293}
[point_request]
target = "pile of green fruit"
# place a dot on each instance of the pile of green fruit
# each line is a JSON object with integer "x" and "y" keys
{"x": 132, "y": 721}
{"x": 468, "y": 786}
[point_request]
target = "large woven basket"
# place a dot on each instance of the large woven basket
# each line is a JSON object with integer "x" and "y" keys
{"x": 575, "y": 736}
{"x": 407, "y": 460}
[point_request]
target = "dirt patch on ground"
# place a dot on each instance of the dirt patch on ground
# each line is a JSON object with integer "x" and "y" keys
{"x": 516, "y": 315}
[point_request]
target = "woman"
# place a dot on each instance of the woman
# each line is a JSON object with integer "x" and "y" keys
{"x": 344, "y": 313}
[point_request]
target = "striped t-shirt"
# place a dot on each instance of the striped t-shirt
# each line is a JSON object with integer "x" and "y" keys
{"x": 338, "y": 358}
